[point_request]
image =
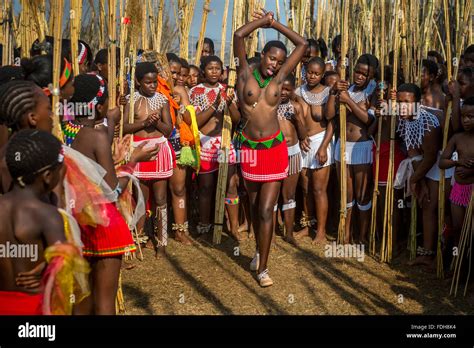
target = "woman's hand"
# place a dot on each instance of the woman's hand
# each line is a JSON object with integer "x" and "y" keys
{"x": 121, "y": 148}
{"x": 322, "y": 155}
{"x": 262, "y": 14}
{"x": 144, "y": 154}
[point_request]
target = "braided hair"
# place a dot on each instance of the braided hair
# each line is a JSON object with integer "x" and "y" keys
{"x": 17, "y": 98}
{"x": 91, "y": 89}
{"x": 31, "y": 152}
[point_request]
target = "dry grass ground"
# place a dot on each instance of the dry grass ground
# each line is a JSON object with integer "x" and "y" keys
{"x": 202, "y": 279}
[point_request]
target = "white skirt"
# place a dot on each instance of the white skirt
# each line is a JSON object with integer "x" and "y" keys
{"x": 359, "y": 152}
{"x": 309, "y": 158}
{"x": 433, "y": 173}
{"x": 294, "y": 159}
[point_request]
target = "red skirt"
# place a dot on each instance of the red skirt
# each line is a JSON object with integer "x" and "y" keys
{"x": 160, "y": 168}
{"x": 105, "y": 241}
{"x": 211, "y": 153}
{"x": 399, "y": 156}
{"x": 264, "y": 160}
{"x": 20, "y": 303}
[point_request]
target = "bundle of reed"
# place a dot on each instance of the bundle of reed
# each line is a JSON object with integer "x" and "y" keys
{"x": 112, "y": 53}
{"x": 124, "y": 22}
{"x": 26, "y": 32}
{"x": 442, "y": 184}
{"x": 404, "y": 44}
{"x": 57, "y": 20}
{"x": 205, "y": 12}
{"x": 102, "y": 24}
{"x": 300, "y": 8}
{"x": 184, "y": 18}
{"x": 413, "y": 227}
{"x": 386, "y": 248}
{"x": 464, "y": 249}
{"x": 7, "y": 57}
{"x": 342, "y": 122}
{"x": 310, "y": 24}
{"x": 221, "y": 188}
{"x": 425, "y": 38}
{"x": 318, "y": 23}
{"x": 325, "y": 20}
{"x": 159, "y": 26}
{"x": 144, "y": 34}
{"x": 237, "y": 21}
{"x": 277, "y": 7}
{"x": 133, "y": 10}
{"x": 37, "y": 14}
{"x": 2, "y": 23}
{"x": 376, "y": 193}
{"x": 75, "y": 17}
{"x": 466, "y": 17}
{"x": 224, "y": 30}
{"x": 152, "y": 22}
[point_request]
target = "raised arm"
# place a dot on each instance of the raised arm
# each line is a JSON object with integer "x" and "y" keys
{"x": 239, "y": 42}
{"x": 295, "y": 56}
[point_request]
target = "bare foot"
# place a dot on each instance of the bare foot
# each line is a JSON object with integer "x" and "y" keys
{"x": 291, "y": 240}
{"x": 243, "y": 228}
{"x": 237, "y": 236}
{"x": 160, "y": 252}
{"x": 302, "y": 233}
{"x": 182, "y": 238}
{"x": 320, "y": 239}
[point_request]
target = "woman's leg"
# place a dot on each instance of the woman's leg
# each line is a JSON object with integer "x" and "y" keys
{"x": 319, "y": 184}
{"x": 363, "y": 183}
{"x": 349, "y": 200}
{"x": 233, "y": 208}
{"x": 177, "y": 184}
{"x": 105, "y": 279}
{"x": 289, "y": 205}
{"x": 207, "y": 184}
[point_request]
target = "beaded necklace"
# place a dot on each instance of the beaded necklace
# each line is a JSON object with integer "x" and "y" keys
{"x": 70, "y": 131}
{"x": 318, "y": 98}
{"x": 285, "y": 111}
{"x": 259, "y": 79}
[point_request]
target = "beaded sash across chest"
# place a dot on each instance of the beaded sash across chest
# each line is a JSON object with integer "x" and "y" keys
{"x": 286, "y": 111}
{"x": 203, "y": 97}
{"x": 413, "y": 131}
{"x": 312, "y": 98}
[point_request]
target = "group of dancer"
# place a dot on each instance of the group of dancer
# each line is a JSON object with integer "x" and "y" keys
{"x": 93, "y": 196}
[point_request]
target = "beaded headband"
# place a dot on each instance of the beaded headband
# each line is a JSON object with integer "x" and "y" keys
{"x": 63, "y": 79}
{"x": 100, "y": 93}
{"x": 82, "y": 54}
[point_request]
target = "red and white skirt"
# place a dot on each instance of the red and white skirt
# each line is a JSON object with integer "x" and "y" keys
{"x": 264, "y": 160}
{"x": 160, "y": 168}
{"x": 210, "y": 153}
{"x": 106, "y": 241}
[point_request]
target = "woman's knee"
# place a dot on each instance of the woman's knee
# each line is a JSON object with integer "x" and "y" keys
{"x": 265, "y": 214}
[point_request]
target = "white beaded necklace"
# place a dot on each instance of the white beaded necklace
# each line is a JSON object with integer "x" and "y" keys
{"x": 312, "y": 98}
{"x": 413, "y": 131}
{"x": 286, "y": 111}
